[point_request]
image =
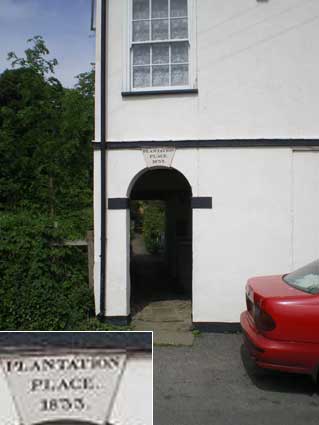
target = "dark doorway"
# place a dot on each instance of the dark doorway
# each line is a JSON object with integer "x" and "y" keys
{"x": 161, "y": 238}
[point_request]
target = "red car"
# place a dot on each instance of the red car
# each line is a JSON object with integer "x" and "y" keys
{"x": 281, "y": 323}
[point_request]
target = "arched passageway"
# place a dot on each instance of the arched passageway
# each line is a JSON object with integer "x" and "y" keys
{"x": 161, "y": 238}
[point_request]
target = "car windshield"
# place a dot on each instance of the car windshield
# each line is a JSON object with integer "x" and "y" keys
{"x": 306, "y": 278}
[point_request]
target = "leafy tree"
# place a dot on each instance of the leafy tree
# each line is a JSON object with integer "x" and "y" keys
{"x": 86, "y": 83}
{"x": 29, "y": 120}
{"x": 35, "y": 57}
{"x": 45, "y": 179}
{"x": 45, "y": 134}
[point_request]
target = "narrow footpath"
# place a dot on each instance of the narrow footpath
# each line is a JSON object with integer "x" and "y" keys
{"x": 155, "y": 305}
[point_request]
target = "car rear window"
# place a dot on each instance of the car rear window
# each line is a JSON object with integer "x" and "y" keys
{"x": 306, "y": 278}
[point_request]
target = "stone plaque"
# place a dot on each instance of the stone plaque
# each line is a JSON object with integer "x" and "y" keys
{"x": 155, "y": 157}
{"x": 78, "y": 387}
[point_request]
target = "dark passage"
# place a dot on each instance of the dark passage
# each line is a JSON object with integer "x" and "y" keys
{"x": 161, "y": 238}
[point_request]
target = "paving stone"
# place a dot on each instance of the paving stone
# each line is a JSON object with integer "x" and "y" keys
{"x": 173, "y": 338}
{"x": 170, "y": 321}
{"x": 138, "y": 245}
{"x": 157, "y": 304}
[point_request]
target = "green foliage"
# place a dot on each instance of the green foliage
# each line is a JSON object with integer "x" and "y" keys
{"x": 85, "y": 85}
{"x": 94, "y": 324}
{"x": 43, "y": 285}
{"x": 45, "y": 134}
{"x": 74, "y": 224}
{"x": 136, "y": 216}
{"x": 46, "y": 195}
{"x": 35, "y": 57}
{"x": 153, "y": 225}
{"x": 29, "y": 113}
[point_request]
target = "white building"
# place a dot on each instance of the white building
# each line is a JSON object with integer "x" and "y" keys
{"x": 232, "y": 86}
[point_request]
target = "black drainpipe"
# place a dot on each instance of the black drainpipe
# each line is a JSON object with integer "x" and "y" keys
{"x": 93, "y": 9}
{"x": 103, "y": 156}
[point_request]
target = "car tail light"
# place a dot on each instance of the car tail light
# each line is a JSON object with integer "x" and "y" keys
{"x": 250, "y": 305}
{"x": 263, "y": 320}
{"x": 250, "y": 300}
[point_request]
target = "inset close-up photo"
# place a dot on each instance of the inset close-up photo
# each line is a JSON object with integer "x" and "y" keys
{"x": 76, "y": 378}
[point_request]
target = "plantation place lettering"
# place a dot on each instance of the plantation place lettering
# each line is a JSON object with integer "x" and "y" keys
{"x": 155, "y": 157}
{"x": 77, "y": 387}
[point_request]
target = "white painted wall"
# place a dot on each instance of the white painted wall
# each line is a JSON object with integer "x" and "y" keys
{"x": 117, "y": 271}
{"x": 257, "y": 75}
{"x": 306, "y": 206}
{"x": 257, "y": 71}
{"x": 248, "y": 231}
{"x": 133, "y": 404}
{"x": 262, "y": 222}
{"x": 123, "y": 169}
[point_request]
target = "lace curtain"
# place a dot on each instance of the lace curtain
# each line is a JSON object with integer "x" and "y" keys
{"x": 166, "y": 62}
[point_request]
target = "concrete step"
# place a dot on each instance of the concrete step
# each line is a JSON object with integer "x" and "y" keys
{"x": 176, "y": 334}
{"x": 173, "y": 338}
{"x": 145, "y": 325}
{"x": 170, "y": 321}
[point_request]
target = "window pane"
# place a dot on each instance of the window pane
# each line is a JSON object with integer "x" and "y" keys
{"x": 306, "y": 278}
{"x": 141, "y": 76}
{"x": 179, "y": 75}
{"x": 141, "y": 31}
{"x": 160, "y": 29}
{"x": 178, "y": 8}
{"x": 141, "y": 9}
{"x": 141, "y": 55}
{"x": 160, "y": 75}
{"x": 179, "y": 52}
{"x": 160, "y": 9}
{"x": 179, "y": 28}
{"x": 160, "y": 53}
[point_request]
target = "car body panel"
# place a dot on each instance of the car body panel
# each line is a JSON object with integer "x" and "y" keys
{"x": 295, "y": 312}
{"x": 273, "y": 286}
{"x": 279, "y": 355}
{"x": 293, "y": 345}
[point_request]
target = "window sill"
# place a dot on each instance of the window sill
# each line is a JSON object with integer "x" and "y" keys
{"x": 158, "y": 92}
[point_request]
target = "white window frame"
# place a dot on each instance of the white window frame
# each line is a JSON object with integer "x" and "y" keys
{"x": 127, "y": 85}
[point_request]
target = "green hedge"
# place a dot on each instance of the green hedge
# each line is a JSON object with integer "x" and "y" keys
{"x": 43, "y": 287}
{"x": 46, "y": 179}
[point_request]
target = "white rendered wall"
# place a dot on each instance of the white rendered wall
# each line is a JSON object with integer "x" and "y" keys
{"x": 262, "y": 222}
{"x": 123, "y": 168}
{"x": 257, "y": 76}
{"x": 117, "y": 264}
{"x": 306, "y": 207}
{"x": 248, "y": 231}
{"x": 257, "y": 72}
